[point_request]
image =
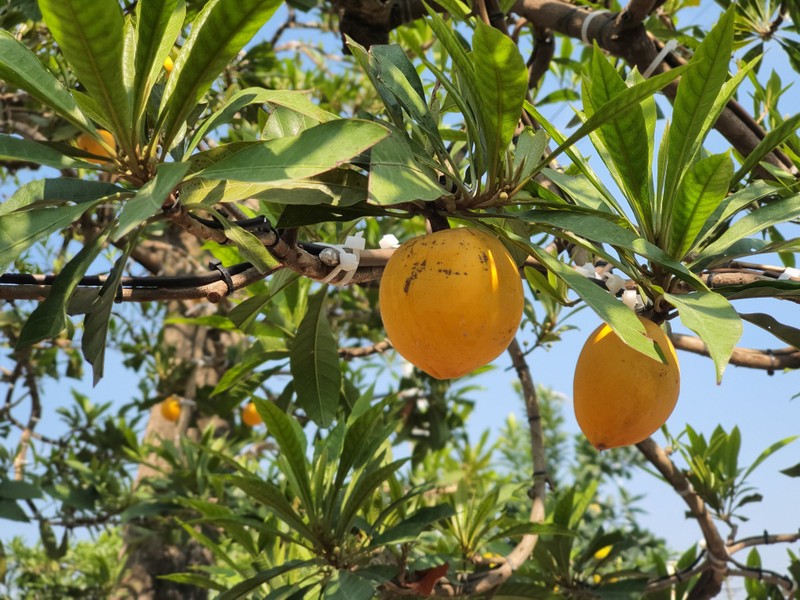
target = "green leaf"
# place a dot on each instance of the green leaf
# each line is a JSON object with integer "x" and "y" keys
{"x": 772, "y": 140}
{"x": 13, "y": 149}
{"x": 50, "y": 317}
{"x": 625, "y": 138}
{"x": 244, "y": 314}
{"x": 712, "y": 318}
{"x": 767, "y": 215}
{"x": 619, "y": 317}
{"x": 392, "y": 70}
{"x": 194, "y": 579}
{"x": 367, "y": 484}
{"x": 314, "y": 151}
{"x": 21, "y": 68}
{"x": 250, "y": 247}
{"x": 611, "y": 109}
{"x": 344, "y": 585}
{"x": 297, "y": 102}
{"x": 697, "y": 92}
{"x": 409, "y": 529}
{"x": 529, "y": 151}
{"x": 502, "y": 81}
{"x": 396, "y": 176}
{"x": 792, "y": 471}
{"x": 292, "y": 444}
{"x": 245, "y": 587}
{"x": 158, "y": 25}
{"x": 9, "y": 509}
{"x": 45, "y": 192}
{"x": 90, "y": 34}
{"x": 19, "y": 490}
{"x": 218, "y": 33}
{"x": 700, "y": 194}
{"x": 772, "y": 449}
{"x": 95, "y": 324}
{"x": 786, "y": 333}
{"x": 314, "y": 362}
{"x": 272, "y": 497}
{"x": 150, "y": 198}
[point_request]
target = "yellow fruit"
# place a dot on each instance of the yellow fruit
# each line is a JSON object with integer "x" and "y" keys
{"x": 451, "y": 301}
{"x": 168, "y": 65}
{"x": 89, "y": 143}
{"x": 171, "y": 409}
{"x": 250, "y": 416}
{"x": 622, "y": 396}
{"x": 602, "y": 552}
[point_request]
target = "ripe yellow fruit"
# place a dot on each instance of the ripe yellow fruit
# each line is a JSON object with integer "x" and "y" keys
{"x": 89, "y": 143}
{"x": 622, "y": 396}
{"x": 451, "y": 301}
{"x": 168, "y": 65}
{"x": 250, "y": 416}
{"x": 603, "y": 552}
{"x": 171, "y": 408}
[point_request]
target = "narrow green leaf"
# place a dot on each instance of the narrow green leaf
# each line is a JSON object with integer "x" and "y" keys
{"x": 297, "y": 102}
{"x": 370, "y": 480}
{"x": 703, "y": 189}
{"x": 90, "y": 34}
{"x": 502, "y": 81}
{"x": 772, "y": 449}
{"x": 218, "y": 33}
{"x": 785, "y": 333}
{"x": 9, "y": 509}
{"x": 250, "y": 247}
{"x": 344, "y": 585}
{"x": 244, "y": 588}
{"x": 50, "y": 317}
{"x": 275, "y": 500}
{"x": 243, "y": 315}
{"x": 292, "y": 444}
{"x": 409, "y": 529}
{"x": 95, "y": 324}
{"x": 46, "y": 192}
{"x": 396, "y": 176}
{"x": 158, "y": 25}
{"x": 13, "y": 148}
{"x": 792, "y": 471}
{"x": 582, "y": 190}
{"x": 194, "y": 579}
{"x": 621, "y": 102}
{"x": 767, "y": 215}
{"x": 772, "y": 140}
{"x": 314, "y": 151}
{"x": 732, "y": 205}
{"x": 22, "y": 229}
{"x": 21, "y": 68}
{"x": 694, "y": 101}
{"x": 314, "y": 363}
{"x": 712, "y": 318}
{"x": 529, "y": 151}
{"x": 150, "y": 198}
{"x": 610, "y": 310}
{"x": 625, "y": 138}
{"x": 19, "y": 490}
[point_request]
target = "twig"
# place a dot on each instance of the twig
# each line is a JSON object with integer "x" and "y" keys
{"x": 760, "y": 540}
{"x": 360, "y": 352}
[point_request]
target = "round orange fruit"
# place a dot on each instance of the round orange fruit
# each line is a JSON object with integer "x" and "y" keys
{"x": 622, "y": 396}
{"x": 171, "y": 408}
{"x": 88, "y": 143}
{"x": 250, "y": 416}
{"x": 451, "y": 301}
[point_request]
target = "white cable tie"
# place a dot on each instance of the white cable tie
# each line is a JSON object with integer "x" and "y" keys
{"x": 614, "y": 283}
{"x": 587, "y": 270}
{"x": 389, "y": 241}
{"x": 585, "y": 25}
{"x": 579, "y": 255}
{"x": 790, "y": 273}
{"x": 348, "y": 261}
{"x": 187, "y": 402}
{"x": 629, "y": 298}
{"x": 687, "y": 490}
{"x": 511, "y": 563}
{"x": 668, "y": 47}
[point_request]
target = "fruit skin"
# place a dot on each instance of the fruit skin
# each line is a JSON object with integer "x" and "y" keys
{"x": 168, "y": 65}
{"x": 250, "y": 416}
{"x": 89, "y": 143}
{"x": 451, "y": 301}
{"x": 620, "y": 395}
{"x": 171, "y": 409}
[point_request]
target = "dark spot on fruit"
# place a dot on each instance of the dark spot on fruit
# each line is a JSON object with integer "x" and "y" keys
{"x": 484, "y": 258}
{"x": 416, "y": 269}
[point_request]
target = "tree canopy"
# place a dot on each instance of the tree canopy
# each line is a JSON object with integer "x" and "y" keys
{"x": 210, "y": 192}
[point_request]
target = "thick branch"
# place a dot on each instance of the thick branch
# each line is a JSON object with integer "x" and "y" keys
{"x": 715, "y": 545}
{"x": 768, "y": 360}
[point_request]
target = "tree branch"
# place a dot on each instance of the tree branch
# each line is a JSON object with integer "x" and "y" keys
{"x": 711, "y": 583}
{"x": 768, "y": 360}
